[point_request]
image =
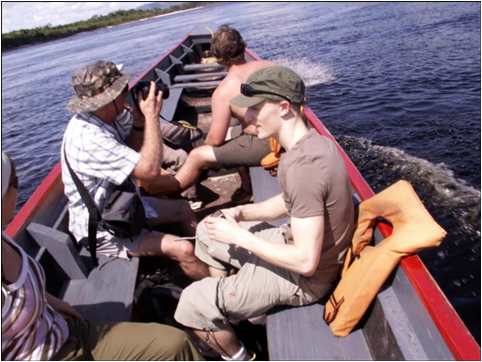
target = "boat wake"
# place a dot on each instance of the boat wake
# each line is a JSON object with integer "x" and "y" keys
{"x": 312, "y": 73}
{"x": 444, "y": 195}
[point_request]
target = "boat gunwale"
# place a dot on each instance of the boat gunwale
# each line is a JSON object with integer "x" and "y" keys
{"x": 452, "y": 329}
{"x": 34, "y": 202}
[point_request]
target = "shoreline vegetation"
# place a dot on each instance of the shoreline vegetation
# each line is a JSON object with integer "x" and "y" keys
{"x": 18, "y": 38}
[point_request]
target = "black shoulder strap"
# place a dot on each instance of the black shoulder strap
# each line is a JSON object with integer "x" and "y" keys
{"x": 94, "y": 214}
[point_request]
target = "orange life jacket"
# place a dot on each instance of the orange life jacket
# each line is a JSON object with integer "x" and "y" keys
{"x": 367, "y": 267}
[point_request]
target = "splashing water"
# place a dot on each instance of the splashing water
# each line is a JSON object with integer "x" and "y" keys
{"x": 312, "y": 73}
{"x": 436, "y": 183}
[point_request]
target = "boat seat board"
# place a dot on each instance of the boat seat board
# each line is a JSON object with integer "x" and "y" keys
{"x": 197, "y": 85}
{"x": 195, "y": 67}
{"x": 301, "y": 334}
{"x": 169, "y": 105}
{"x": 199, "y": 76}
{"x": 105, "y": 292}
{"x": 108, "y": 292}
{"x": 62, "y": 249}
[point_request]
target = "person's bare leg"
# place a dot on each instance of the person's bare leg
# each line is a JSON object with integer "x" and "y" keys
{"x": 216, "y": 272}
{"x": 164, "y": 184}
{"x": 182, "y": 251}
{"x": 223, "y": 342}
{"x": 245, "y": 179}
{"x": 171, "y": 211}
{"x": 198, "y": 159}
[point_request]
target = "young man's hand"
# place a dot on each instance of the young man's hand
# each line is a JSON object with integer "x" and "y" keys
{"x": 233, "y": 213}
{"x": 250, "y": 130}
{"x": 225, "y": 230}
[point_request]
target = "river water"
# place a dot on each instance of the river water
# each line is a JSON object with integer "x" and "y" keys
{"x": 398, "y": 84}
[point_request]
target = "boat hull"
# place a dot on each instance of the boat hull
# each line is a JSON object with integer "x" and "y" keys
{"x": 429, "y": 327}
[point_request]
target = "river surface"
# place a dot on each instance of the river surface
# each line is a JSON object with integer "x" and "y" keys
{"x": 398, "y": 84}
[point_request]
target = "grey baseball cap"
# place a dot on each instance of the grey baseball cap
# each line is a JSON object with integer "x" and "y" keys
{"x": 96, "y": 85}
{"x": 275, "y": 79}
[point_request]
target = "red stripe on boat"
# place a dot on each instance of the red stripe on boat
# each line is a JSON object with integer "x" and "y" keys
{"x": 34, "y": 202}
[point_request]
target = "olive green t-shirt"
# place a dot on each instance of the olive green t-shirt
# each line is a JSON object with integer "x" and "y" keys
{"x": 315, "y": 182}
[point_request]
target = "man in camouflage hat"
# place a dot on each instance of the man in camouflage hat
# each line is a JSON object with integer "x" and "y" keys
{"x": 295, "y": 264}
{"x": 107, "y": 142}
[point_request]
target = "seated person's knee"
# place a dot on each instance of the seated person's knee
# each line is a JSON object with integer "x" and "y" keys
{"x": 200, "y": 155}
{"x": 186, "y": 251}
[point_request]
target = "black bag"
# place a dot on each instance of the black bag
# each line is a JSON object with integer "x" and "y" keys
{"x": 123, "y": 214}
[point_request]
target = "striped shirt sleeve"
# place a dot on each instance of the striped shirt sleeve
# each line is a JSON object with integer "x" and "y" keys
{"x": 104, "y": 157}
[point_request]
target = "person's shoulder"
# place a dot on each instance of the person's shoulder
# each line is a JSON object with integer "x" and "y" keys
{"x": 316, "y": 143}
{"x": 229, "y": 86}
{"x": 256, "y": 65}
{"x": 313, "y": 149}
{"x": 83, "y": 127}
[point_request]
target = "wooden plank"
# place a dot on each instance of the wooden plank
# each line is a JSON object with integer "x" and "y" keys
{"x": 422, "y": 328}
{"x": 108, "y": 292}
{"x": 301, "y": 334}
{"x": 194, "y": 67}
{"x": 169, "y": 106}
{"x": 197, "y": 85}
{"x": 62, "y": 249}
{"x": 199, "y": 77}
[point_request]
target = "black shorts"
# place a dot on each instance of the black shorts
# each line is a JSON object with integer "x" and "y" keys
{"x": 244, "y": 150}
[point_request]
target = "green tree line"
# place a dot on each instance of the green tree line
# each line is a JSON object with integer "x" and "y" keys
{"x": 45, "y": 33}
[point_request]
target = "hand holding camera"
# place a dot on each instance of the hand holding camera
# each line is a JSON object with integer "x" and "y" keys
{"x": 143, "y": 86}
{"x": 148, "y": 97}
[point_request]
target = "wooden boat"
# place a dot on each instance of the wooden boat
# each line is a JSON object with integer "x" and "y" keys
{"x": 410, "y": 319}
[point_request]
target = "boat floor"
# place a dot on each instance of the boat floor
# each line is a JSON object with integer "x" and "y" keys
{"x": 216, "y": 192}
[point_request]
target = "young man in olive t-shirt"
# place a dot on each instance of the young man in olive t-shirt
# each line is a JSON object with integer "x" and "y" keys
{"x": 277, "y": 266}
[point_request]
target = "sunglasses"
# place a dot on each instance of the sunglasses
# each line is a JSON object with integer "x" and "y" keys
{"x": 248, "y": 91}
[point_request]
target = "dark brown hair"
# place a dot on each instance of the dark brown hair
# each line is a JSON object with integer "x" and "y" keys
{"x": 228, "y": 46}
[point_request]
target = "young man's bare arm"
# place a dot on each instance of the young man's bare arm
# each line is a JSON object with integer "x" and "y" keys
{"x": 271, "y": 209}
{"x": 300, "y": 257}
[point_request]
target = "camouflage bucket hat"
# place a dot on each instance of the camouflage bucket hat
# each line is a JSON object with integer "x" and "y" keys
{"x": 279, "y": 82}
{"x": 96, "y": 85}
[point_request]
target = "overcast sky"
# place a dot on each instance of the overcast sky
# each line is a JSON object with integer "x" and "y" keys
{"x": 27, "y": 15}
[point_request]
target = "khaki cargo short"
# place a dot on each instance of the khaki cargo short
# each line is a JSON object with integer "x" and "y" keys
{"x": 158, "y": 210}
{"x": 212, "y": 302}
{"x": 243, "y": 150}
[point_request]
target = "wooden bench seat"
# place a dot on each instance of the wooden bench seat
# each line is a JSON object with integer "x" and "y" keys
{"x": 197, "y": 85}
{"x": 301, "y": 334}
{"x": 107, "y": 293}
{"x": 103, "y": 293}
{"x": 169, "y": 105}
{"x": 199, "y": 77}
{"x": 202, "y": 67}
